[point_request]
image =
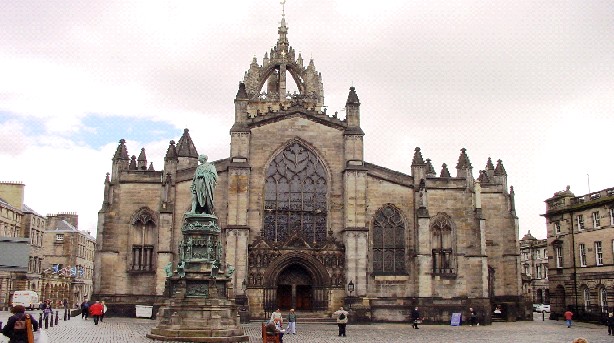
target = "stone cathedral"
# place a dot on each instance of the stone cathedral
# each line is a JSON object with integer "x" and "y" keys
{"x": 306, "y": 222}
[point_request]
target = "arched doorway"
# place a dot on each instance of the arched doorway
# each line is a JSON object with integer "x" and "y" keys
{"x": 294, "y": 288}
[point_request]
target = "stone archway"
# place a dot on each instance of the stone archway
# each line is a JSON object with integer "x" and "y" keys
{"x": 296, "y": 280}
{"x": 295, "y": 288}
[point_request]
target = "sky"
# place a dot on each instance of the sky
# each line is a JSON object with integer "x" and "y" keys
{"x": 527, "y": 82}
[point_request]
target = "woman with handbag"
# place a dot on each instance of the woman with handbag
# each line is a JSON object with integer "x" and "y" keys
{"x": 21, "y": 326}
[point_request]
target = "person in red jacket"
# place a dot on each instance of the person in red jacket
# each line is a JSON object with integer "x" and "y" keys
{"x": 96, "y": 311}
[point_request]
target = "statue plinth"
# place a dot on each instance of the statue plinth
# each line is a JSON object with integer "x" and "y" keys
{"x": 200, "y": 307}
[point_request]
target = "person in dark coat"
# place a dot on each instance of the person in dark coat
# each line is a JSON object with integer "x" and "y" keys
{"x": 611, "y": 324}
{"x": 473, "y": 317}
{"x": 85, "y": 309}
{"x": 415, "y": 318}
{"x": 15, "y": 328}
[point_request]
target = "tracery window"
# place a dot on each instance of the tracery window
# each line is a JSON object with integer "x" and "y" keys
{"x": 442, "y": 241}
{"x": 143, "y": 239}
{"x": 388, "y": 241}
{"x": 295, "y": 196}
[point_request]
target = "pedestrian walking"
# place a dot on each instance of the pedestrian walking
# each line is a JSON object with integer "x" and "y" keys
{"x": 20, "y": 326}
{"x": 568, "y": 315}
{"x": 342, "y": 320}
{"x": 473, "y": 317}
{"x": 96, "y": 311}
{"x": 291, "y": 322}
{"x": 85, "y": 309}
{"x": 611, "y": 324}
{"x": 47, "y": 309}
{"x": 415, "y": 318}
{"x": 104, "y": 310}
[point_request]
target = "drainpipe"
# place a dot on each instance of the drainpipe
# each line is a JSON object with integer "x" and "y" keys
{"x": 573, "y": 250}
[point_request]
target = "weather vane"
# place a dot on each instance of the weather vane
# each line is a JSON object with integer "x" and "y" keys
{"x": 283, "y": 8}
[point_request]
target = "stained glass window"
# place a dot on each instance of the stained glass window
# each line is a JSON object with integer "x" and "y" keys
{"x": 388, "y": 241}
{"x": 295, "y": 196}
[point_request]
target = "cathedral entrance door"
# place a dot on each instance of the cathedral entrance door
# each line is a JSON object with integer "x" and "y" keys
{"x": 294, "y": 288}
{"x": 284, "y": 297}
{"x": 303, "y": 297}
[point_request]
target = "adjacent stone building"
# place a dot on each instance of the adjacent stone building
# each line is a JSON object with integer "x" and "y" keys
{"x": 534, "y": 267}
{"x": 581, "y": 246}
{"x": 69, "y": 260}
{"x": 307, "y": 222}
{"x": 18, "y": 222}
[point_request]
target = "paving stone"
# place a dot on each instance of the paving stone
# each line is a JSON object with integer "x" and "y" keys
{"x": 114, "y": 330}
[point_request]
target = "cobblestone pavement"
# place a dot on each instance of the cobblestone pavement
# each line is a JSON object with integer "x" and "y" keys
{"x": 114, "y": 330}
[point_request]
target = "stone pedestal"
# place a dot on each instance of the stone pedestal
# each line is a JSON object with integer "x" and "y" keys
{"x": 201, "y": 305}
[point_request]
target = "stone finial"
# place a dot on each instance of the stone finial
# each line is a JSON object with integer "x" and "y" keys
{"x": 352, "y": 97}
{"x": 489, "y": 165}
{"x": 444, "y": 171}
{"x": 142, "y": 160}
{"x": 107, "y": 178}
{"x": 122, "y": 152}
{"x": 417, "y": 160}
{"x": 430, "y": 171}
{"x": 151, "y": 167}
{"x": 483, "y": 178}
{"x": 171, "y": 152}
{"x": 463, "y": 160}
{"x": 132, "y": 165}
{"x": 499, "y": 169}
{"x": 241, "y": 93}
{"x": 512, "y": 200}
{"x": 185, "y": 146}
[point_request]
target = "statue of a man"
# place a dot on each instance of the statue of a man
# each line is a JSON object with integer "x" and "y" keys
{"x": 203, "y": 184}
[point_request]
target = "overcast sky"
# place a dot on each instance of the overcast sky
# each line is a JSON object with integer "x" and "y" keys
{"x": 528, "y": 82}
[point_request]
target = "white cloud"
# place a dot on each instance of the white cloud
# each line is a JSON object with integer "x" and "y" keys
{"x": 528, "y": 82}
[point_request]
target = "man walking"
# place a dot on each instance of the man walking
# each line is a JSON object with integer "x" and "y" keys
{"x": 342, "y": 320}
{"x": 611, "y": 324}
{"x": 568, "y": 314}
{"x": 96, "y": 311}
{"x": 85, "y": 309}
{"x": 415, "y": 317}
{"x": 473, "y": 317}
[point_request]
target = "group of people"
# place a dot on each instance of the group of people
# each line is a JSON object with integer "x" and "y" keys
{"x": 275, "y": 326}
{"x": 96, "y": 310}
{"x": 568, "y": 315}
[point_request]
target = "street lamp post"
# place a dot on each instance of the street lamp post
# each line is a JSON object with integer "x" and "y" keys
{"x": 351, "y": 290}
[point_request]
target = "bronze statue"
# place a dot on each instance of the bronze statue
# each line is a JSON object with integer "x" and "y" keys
{"x": 203, "y": 185}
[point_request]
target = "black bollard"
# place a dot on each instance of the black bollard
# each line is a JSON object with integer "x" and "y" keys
{"x": 47, "y": 322}
{"x": 543, "y": 315}
{"x": 40, "y": 319}
{"x": 65, "y": 312}
{"x": 68, "y": 314}
{"x": 51, "y": 321}
{"x": 57, "y": 317}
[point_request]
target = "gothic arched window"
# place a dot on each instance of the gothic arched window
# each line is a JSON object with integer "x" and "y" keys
{"x": 388, "y": 241}
{"x": 442, "y": 242}
{"x": 295, "y": 194}
{"x": 143, "y": 222}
